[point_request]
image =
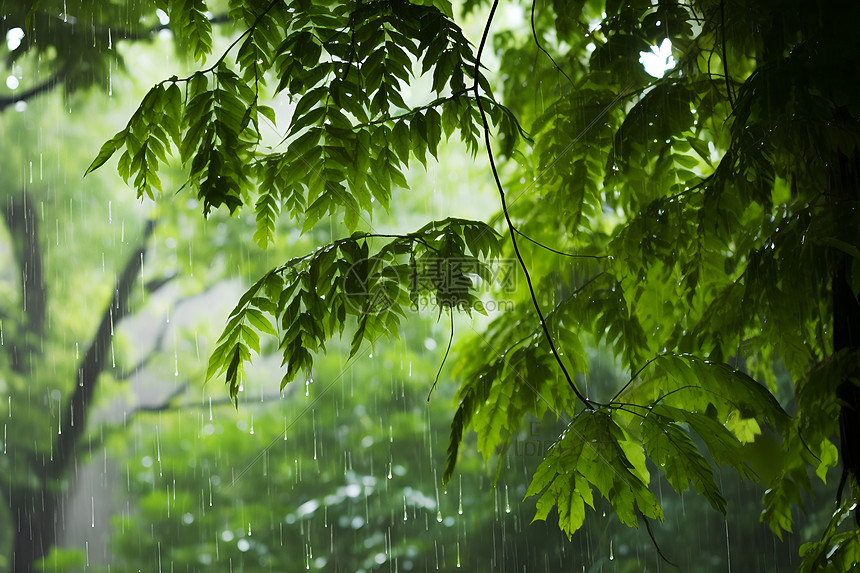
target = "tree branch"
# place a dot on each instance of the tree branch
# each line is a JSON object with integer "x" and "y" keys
{"x": 93, "y": 363}
{"x": 58, "y": 77}
{"x": 46, "y": 86}
{"x": 150, "y": 287}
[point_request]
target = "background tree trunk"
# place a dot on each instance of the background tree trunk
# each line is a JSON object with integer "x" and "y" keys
{"x": 845, "y": 186}
{"x": 35, "y": 501}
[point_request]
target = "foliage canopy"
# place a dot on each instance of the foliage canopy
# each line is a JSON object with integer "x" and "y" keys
{"x": 702, "y": 225}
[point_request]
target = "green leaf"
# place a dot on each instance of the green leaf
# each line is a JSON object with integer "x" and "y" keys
{"x": 674, "y": 453}
{"x": 260, "y": 322}
{"x": 589, "y": 455}
{"x": 106, "y": 152}
{"x": 234, "y": 371}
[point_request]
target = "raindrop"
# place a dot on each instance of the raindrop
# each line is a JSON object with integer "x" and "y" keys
{"x": 12, "y": 83}
{"x": 157, "y": 445}
{"x": 507, "y": 501}
{"x": 460, "y": 507}
{"x": 438, "y": 505}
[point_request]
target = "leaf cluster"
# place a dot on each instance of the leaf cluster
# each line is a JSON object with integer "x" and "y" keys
{"x": 306, "y": 301}
{"x": 718, "y": 206}
{"x": 713, "y": 196}
{"x": 351, "y": 134}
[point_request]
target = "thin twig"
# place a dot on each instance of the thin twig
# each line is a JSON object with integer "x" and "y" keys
{"x": 654, "y": 541}
{"x": 445, "y": 358}
{"x": 535, "y": 303}
{"x": 633, "y": 378}
{"x": 556, "y": 251}
{"x": 542, "y": 49}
